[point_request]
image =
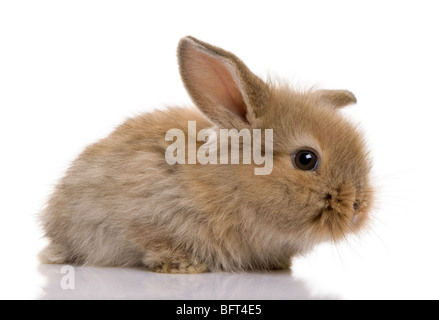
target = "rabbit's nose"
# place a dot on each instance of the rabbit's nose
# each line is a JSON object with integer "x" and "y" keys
{"x": 356, "y": 206}
{"x": 343, "y": 201}
{"x": 328, "y": 197}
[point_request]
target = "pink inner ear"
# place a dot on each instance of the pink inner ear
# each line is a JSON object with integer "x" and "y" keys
{"x": 215, "y": 78}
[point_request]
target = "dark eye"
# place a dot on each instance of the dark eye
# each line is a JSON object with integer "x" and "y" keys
{"x": 306, "y": 160}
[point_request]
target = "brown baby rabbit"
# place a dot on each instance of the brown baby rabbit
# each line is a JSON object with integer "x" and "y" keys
{"x": 122, "y": 203}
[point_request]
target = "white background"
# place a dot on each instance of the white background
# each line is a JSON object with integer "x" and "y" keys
{"x": 70, "y": 71}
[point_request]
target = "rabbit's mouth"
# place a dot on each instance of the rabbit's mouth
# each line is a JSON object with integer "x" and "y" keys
{"x": 358, "y": 208}
{"x": 344, "y": 211}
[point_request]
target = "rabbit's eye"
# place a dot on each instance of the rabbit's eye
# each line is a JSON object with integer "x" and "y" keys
{"x": 306, "y": 160}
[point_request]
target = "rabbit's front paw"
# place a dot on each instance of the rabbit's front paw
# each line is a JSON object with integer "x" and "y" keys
{"x": 181, "y": 266}
{"x": 173, "y": 262}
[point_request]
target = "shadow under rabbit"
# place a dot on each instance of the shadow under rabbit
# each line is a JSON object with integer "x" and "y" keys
{"x": 125, "y": 283}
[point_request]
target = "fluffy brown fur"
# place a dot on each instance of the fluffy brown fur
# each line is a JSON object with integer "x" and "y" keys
{"x": 121, "y": 204}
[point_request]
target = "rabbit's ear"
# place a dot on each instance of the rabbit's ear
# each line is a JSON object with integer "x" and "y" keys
{"x": 337, "y": 98}
{"x": 220, "y": 84}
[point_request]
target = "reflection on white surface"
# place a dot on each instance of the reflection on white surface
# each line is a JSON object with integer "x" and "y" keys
{"x": 120, "y": 283}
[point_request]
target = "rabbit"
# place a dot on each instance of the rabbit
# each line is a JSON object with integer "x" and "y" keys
{"x": 121, "y": 204}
